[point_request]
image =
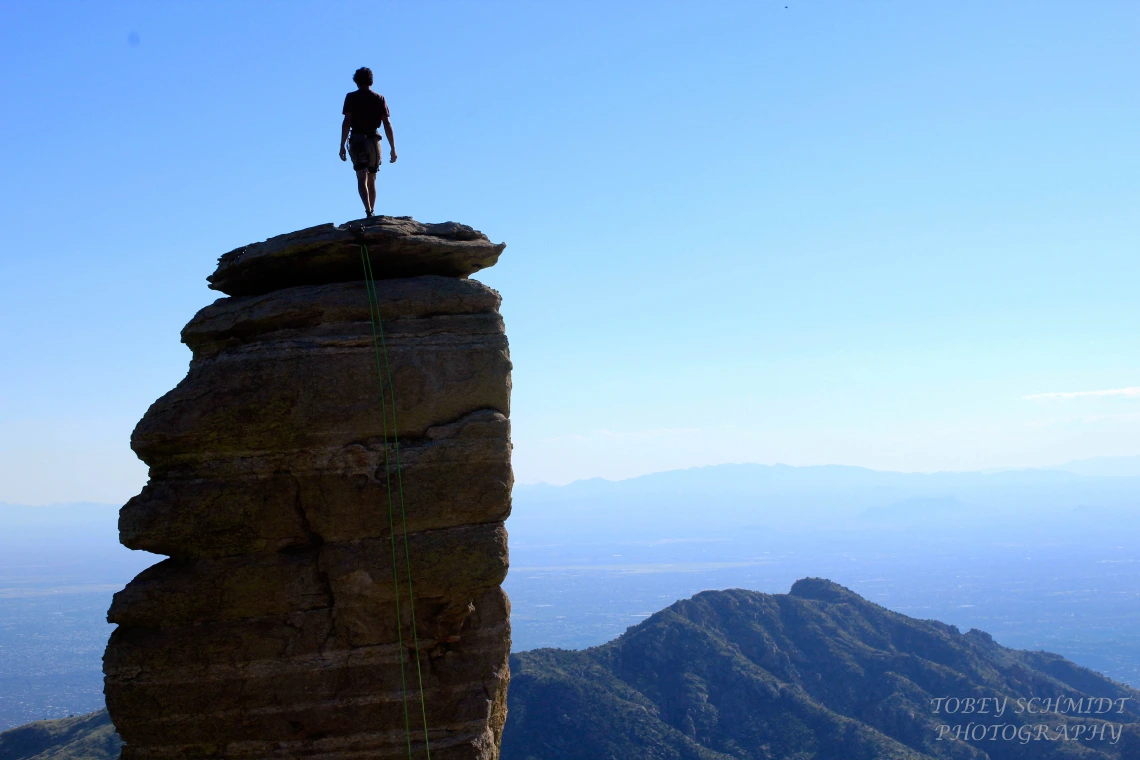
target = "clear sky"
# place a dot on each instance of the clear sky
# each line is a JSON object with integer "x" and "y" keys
{"x": 874, "y": 233}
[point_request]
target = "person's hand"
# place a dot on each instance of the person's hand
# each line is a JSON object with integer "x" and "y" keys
{"x": 343, "y": 155}
{"x": 393, "y": 156}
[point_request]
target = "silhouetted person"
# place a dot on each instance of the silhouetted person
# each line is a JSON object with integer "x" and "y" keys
{"x": 364, "y": 111}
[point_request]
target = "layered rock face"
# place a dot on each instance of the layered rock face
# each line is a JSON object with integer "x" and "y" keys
{"x": 272, "y": 629}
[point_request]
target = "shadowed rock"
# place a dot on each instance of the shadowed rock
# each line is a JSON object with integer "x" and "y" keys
{"x": 272, "y": 630}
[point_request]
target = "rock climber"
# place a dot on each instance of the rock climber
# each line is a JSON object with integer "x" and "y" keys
{"x": 364, "y": 111}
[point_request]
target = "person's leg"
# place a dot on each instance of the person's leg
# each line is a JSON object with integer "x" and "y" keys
{"x": 371, "y": 190}
{"x": 363, "y": 179}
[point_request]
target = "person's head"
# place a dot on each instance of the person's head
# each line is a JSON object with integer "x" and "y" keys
{"x": 363, "y": 77}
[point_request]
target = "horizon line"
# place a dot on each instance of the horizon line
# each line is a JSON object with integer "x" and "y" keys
{"x": 983, "y": 471}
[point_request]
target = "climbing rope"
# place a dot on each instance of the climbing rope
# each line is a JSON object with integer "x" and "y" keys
{"x": 384, "y": 372}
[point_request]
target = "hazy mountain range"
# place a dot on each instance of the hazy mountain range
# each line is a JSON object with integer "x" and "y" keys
{"x": 832, "y": 497}
{"x": 1104, "y": 466}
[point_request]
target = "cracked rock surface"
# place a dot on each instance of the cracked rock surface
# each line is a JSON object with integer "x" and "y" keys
{"x": 272, "y": 629}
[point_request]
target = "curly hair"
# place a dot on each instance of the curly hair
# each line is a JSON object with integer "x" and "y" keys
{"x": 363, "y": 76}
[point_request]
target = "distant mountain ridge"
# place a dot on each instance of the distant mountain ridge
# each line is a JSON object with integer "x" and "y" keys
{"x": 816, "y": 674}
{"x": 826, "y": 497}
{"x": 1103, "y": 467}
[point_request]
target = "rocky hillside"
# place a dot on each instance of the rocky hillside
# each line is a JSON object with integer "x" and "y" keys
{"x": 816, "y": 674}
{"x": 86, "y": 737}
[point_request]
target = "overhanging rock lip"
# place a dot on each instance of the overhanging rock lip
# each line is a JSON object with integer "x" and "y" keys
{"x": 399, "y": 247}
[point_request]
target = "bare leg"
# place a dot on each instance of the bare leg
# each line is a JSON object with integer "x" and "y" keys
{"x": 371, "y": 191}
{"x": 363, "y": 180}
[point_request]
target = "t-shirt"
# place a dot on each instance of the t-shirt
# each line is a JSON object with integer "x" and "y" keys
{"x": 368, "y": 110}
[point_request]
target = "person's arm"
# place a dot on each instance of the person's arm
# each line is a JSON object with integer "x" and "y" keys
{"x": 391, "y": 137}
{"x": 344, "y": 125}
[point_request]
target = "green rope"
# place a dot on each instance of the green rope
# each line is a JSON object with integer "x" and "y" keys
{"x": 380, "y": 348}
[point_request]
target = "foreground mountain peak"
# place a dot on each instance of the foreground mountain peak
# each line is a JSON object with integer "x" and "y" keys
{"x": 823, "y": 590}
{"x": 816, "y": 673}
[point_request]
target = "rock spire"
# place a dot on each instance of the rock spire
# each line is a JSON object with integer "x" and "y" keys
{"x": 271, "y": 630}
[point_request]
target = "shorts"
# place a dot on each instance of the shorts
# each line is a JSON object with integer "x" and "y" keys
{"x": 365, "y": 152}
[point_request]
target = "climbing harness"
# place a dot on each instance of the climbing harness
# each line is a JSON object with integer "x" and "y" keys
{"x": 388, "y": 397}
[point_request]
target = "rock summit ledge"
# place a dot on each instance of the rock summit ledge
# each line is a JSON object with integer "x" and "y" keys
{"x": 327, "y": 253}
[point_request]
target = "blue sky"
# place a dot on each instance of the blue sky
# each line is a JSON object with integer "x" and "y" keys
{"x": 861, "y": 233}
